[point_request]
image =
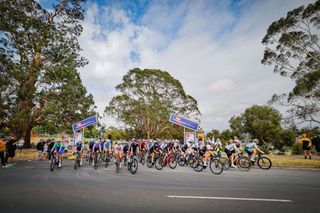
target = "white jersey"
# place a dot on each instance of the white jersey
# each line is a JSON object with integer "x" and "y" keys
{"x": 251, "y": 145}
{"x": 231, "y": 147}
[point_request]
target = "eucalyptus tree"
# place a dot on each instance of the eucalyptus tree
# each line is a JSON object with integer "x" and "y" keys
{"x": 39, "y": 57}
{"x": 146, "y": 100}
{"x": 293, "y": 50}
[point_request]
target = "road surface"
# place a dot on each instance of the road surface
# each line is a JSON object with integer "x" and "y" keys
{"x": 29, "y": 186}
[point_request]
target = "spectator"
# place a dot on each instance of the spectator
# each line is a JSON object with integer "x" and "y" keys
{"x": 40, "y": 147}
{"x": 20, "y": 145}
{"x": 316, "y": 143}
{"x": 45, "y": 150}
{"x": 50, "y": 146}
{"x": 2, "y": 150}
{"x": 11, "y": 149}
{"x": 306, "y": 145}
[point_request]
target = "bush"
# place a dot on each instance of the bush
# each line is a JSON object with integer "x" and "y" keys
{"x": 297, "y": 148}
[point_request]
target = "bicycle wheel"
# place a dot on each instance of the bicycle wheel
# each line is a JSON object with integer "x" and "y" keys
{"x": 264, "y": 163}
{"x": 76, "y": 163}
{"x": 149, "y": 162}
{"x": 117, "y": 165}
{"x": 107, "y": 162}
{"x": 159, "y": 163}
{"x": 96, "y": 163}
{"x": 143, "y": 160}
{"x": 52, "y": 164}
{"x": 199, "y": 165}
{"x": 225, "y": 163}
{"x": 173, "y": 163}
{"x": 243, "y": 163}
{"x": 134, "y": 166}
{"x": 181, "y": 160}
{"x": 216, "y": 166}
{"x": 193, "y": 162}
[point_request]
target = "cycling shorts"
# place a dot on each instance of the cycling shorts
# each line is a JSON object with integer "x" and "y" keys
{"x": 60, "y": 150}
{"x": 229, "y": 153}
{"x": 305, "y": 145}
{"x": 248, "y": 150}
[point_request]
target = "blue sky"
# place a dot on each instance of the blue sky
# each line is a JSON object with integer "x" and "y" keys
{"x": 212, "y": 47}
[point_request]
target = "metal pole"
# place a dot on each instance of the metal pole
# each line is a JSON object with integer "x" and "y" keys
{"x": 184, "y": 135}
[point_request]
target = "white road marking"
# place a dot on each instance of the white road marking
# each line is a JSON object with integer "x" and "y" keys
{"x": 229, "y": 198}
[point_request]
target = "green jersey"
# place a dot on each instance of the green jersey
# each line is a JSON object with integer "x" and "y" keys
{"x": 58, "y": 144}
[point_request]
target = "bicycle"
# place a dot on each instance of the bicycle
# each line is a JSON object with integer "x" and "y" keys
{"x": 77, "y": 161}
{"x": 215, "y": 164}
{"x": 142, "y": 157}
{"x": 54, "y": 162}
{"x": 164, "y": 160}
{"x": 150, "y": 163}
{"x": 95, "y": 160}
{"x": 242, "y": 162}
{"x": 117, "y": 163}
{"x": 262, "y": 161}
{"x": 133, "y": 164}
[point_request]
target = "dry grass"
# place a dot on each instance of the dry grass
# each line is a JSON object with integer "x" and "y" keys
{"x": 297, "y": 161}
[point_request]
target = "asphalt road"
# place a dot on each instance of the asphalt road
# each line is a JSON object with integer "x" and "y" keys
{"x": 29, "y": 186}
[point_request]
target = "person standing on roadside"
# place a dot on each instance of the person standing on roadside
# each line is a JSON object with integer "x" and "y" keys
{"x": 11, "y": 149}
{"x": 20, "y": 145}
{"x": 40, "y": 147}
{"x": 316, "y": 143}
{"x": 2, "y": 150}
{"x": 50, "y": 146}
{"x": 306, "y": 145}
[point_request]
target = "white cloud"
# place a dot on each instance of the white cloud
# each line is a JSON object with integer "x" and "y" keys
{"x": 201, "y": 43}
{"x": 222, "y": 85}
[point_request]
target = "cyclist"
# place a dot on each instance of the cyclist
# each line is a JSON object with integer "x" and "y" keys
{"x": 125, "y": 148}
{"x": 96, "y": 149}
{"x": 134, "y": 149}
{"x": 232, "y": 148}
{"x": 79, "y": 148}
{"x": 90, "y": 146}
{"x": 118, "y": 151}
{"x": 155, "y": 149}
{"x": 58, "y": 148}
{"x": 252, "y": 148}
{"x": 107, "y": 148}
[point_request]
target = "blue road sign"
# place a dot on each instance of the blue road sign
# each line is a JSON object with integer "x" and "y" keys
{"x": 86, "y": 122}
{"x": 184, "y": 122}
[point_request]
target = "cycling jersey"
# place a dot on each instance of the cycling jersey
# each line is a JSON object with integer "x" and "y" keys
{"x": 58, "y": 144}
{"x": 96, "y": 147}
{"x": 231, "y": 147}
{"x": 91, "y": 143}
{"x": 125, "y": 148}
{"x": 251, "y": 145}
{"x": 134, "y": 147}
{"x": 80, "y": 147}
{"x": 107, "y": 145}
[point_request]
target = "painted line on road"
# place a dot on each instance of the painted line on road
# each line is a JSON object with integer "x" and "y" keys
{"x": 229, "y": 198}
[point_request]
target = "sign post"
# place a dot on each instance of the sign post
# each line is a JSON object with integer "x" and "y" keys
{"x": 186, "y": 123}
{"x": 81, "y": 125}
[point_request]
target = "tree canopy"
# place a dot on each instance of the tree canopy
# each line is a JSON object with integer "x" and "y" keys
{"x": 147, "y": 98}
{"x": 261, "y": 122}
{"x": 293, "y": 49}
{"x": 39, "y": 57}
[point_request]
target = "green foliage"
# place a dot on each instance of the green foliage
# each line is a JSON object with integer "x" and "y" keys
{"x": 294, "y": 51}
{"x": 297, "y": 148}
{"x": 261, "y": 122}
{"x": 40, "y": 54}
{"x": 147, "y": 98}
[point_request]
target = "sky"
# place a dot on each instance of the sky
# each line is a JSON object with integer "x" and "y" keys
{"x": 212, "y": 47}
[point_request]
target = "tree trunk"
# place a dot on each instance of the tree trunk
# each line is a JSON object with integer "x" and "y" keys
{"x": 27, "y": 137}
